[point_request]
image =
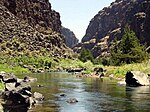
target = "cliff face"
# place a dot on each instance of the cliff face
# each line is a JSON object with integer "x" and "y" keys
{"x": 37, "y": 13}
{"x": 110, "y": 22}
{"x": 30, "y": 26}
{"x": 70, "y": 38}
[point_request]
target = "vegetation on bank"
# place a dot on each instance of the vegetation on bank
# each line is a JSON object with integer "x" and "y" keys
{"x": 120, "y": 71}
{"x": 128, "y": 50}
{"x": 27, "y": 64}
{"x": 126, "y": 55}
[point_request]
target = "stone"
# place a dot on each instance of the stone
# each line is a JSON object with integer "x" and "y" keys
{"x": 71, "y": 70}
{"x": 10, "y": 86}
{"x": 137, "y": 78}
{"x": 63, "y": 95}
{"x": 18, "y": 94}
{"x": 29, "y": 79}
{"x": 39, "y": 85}
{"x": 38, "y": 97}
{"x": 72, "y": 100}
{"x": 15, "y": 97}
{"x": 8, "y": 78}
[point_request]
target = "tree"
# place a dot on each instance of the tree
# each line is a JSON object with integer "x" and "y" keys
{"x": 128, "y": 50}
{"x": 86, "y": 55}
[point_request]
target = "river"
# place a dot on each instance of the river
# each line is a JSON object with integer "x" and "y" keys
{"x": 94, "y": 95}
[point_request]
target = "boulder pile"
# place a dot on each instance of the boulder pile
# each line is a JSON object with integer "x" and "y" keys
{"x": 17, "y": 92}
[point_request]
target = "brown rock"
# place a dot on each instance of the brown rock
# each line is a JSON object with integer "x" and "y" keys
{"x": 110, "y": 23}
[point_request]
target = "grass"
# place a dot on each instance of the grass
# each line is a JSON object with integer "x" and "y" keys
{"x": 1, "y": 86}
{"x": 120, "y": 71}
{"x": 15, "y": 65}
{"x": 76, "y": 63}
{"x": 13, "y": 69}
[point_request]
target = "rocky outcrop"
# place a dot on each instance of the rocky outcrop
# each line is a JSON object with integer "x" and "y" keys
{"x": 70, "y": 38}
{"x": 110, "y": 22}
{"x": 136, "y": 78}
{"x": 37, "y": 13}
{"x": 17, "y": 93}
{"x": 30, "y": 27}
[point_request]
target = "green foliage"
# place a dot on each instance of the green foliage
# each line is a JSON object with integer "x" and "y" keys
{"x": 17, "y": 64}
{"x": 2, "y": 86}
{"x": 120, "y": 71}
{"x": 13, "y": 69}
{"x": 128, "y": 50}
{"x": 86, "y": 55}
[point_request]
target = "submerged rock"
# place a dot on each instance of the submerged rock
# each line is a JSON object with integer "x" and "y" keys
{"x": 63, "y": 95}
{"x": 72, "y": 100}
{"x": 137, "y": 78}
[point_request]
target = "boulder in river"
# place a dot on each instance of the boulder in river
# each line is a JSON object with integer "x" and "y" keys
{"x": 137, "y": 78}
{"x": 72, "y": 100}
{"x": 75, "y": 70}
{"x": 38, "y": 97}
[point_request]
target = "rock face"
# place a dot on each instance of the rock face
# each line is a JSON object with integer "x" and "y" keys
{"x": 136, "y": 78}
{"x": 70, "y": 38}
{"x": 30, "y": 26}
{"x": 110, "y": 22}
{"x": 37, "y": 13}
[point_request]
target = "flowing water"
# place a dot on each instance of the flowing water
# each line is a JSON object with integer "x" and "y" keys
{"x": 94, "y": 95}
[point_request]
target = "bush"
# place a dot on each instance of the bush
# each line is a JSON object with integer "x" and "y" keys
{"x": 86, "y": 55}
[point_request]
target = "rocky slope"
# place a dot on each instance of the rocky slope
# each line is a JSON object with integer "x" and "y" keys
{"x": 30, "y": 26}
{"x": 110, "y": 22}
{"x": 37, "y": 13}
{"x": 70, "y": 38}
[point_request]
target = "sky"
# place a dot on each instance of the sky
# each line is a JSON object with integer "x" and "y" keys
{"x": 76, "y": 14}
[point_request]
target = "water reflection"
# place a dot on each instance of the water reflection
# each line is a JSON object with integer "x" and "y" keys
{"x": 94, "y": 95}
{"x": 139, "y": 98}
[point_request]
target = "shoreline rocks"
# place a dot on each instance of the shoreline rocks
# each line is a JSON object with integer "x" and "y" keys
{"x": 137, "y": 78}
{"x": 17, "y": 93}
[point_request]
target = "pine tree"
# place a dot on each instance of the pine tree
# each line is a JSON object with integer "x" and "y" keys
{"x": 129, "y": 50}
{"x": 86, "y": 55}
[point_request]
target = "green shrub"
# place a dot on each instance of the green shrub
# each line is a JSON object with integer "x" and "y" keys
{"x": 86, "y": 55}
{"x": 128, "y": 50}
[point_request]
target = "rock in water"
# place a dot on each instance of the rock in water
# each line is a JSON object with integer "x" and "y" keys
{"x": 137, "y": 78}
{"x": 38, "y": 97}
{"x": 72, "y": 100}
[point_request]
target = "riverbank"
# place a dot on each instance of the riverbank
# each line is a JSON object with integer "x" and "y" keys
{"x": 16, "y": 93}
{"x": 119, "y": 72}
{"x": 26, "y": 64}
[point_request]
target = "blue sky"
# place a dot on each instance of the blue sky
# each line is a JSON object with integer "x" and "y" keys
{"x": 76, "y": 14}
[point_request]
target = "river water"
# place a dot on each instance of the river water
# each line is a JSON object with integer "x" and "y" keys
{"x": 94, "y": 95}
